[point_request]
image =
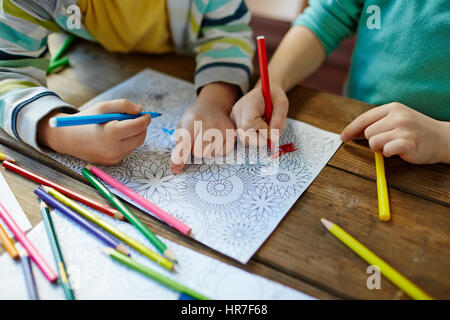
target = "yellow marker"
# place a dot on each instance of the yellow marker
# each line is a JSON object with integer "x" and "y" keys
{"x": 383, "y": 198}
{"x": 4, "y": 157}
{"x": 386, "y": 270}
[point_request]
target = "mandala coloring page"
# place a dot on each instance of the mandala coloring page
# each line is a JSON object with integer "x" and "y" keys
{"x": 232, "y": 208}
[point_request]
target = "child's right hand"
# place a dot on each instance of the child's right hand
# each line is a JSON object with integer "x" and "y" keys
{"x": 105, "y": 144}
{"x": 247, "y": 114}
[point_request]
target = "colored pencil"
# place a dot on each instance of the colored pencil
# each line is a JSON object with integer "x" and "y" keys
{"x": 265, "y": 83}
{"x": 67, "y": 42}
{"x": 70, "y": 193}
{"x": 390, "y": 273}
{"x": 129, "y": 215}
{"x": 157, "y": 211}
{"x": 384, "y": 213}
{"x": 96, "y": 119}
{"x": 56, "y": 249}
{"x": 127, "y": 261}
{"x": 79, "y": 220}
{"x": 8, "y": 244}
{"x": 5, "y": 157}
{"x": 26, "y": 243}
{"x": 105, "y": 225}
{"x": 61, "y": 63}
{"x": 30, "y": 282}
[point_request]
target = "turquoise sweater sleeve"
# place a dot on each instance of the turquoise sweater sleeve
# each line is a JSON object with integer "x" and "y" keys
{"x": 331, "y": 20}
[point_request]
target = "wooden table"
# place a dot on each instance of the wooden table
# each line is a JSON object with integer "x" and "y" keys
{"x": 300, "y": 253}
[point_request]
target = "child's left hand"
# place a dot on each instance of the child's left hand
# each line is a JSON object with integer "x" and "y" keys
{"x": 396, "y": 129}
{"x": 211, "y": 111}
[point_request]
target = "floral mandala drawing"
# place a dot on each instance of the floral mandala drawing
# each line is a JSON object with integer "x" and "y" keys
{"x": 216, "y": 196}
{"x": 233, "y": 206}
{"x": 262, "y": 203}
{"x": 291, "y": 178}
{"x": 155, "y": 181}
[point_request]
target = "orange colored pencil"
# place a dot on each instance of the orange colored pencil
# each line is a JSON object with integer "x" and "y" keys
{"x": 8, "y": 244}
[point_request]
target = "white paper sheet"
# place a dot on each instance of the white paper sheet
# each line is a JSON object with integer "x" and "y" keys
{"x": 94, "y": 275}
{"x": 9, "y": 201}
{"x": 230, "y": 208}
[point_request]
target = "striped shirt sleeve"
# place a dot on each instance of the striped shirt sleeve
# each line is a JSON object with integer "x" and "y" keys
{"x": 224, "y": 45}
{"x": 24, "y": 98}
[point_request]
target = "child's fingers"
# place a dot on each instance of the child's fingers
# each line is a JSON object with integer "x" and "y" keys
{"x": 378, "y": 141}
{"x": 251, "y": 133}
{"x": 380, "y": 126}
{"x": 399, "y": 147}
{"x": 363, "y": 121}
{"x": 131, "y": 143}
{"x": 119, "y": 106}
{"x": 129, "y": 128}
{"x": 182, "y": 151}
{"x": 279, "y": 115}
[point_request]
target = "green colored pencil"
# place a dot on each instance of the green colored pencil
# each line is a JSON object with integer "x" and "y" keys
{"x": 69, "y": 40}
{"x": 68, "y": 292}
{"x": 125, "y": 260}
{"x": 129, "y": 215}
{"x": 57, "y": 64}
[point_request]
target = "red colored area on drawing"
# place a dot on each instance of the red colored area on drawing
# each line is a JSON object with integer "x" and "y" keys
{"x": 285, "y": 148}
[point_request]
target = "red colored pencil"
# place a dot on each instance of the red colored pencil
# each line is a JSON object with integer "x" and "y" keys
{"x": 265, "y": 85}
{"x": 71, "y": 194}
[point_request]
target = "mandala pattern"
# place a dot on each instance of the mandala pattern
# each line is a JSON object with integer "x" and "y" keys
{"x": 232, "y": 206}
{"x": 290, "y": 179}
{"x": 260, "y": 203}
{"x": 154, "y": 180}
{"x": 236, "y": 234}
{"x": 220, "y": 196}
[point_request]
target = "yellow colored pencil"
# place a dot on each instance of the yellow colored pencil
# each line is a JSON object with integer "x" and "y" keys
{"x": 8, "y": 244}
{"x": 4, "y": 157}
{"x": 384, "y": 212}
{"x": 386, "y": 270}
{"x": 164, "y": 262}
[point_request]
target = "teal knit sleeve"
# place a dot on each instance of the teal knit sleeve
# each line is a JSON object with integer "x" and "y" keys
{"x": 331, "y": 20}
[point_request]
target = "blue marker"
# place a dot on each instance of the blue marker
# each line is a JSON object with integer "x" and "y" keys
{"x": 96, "y": 119}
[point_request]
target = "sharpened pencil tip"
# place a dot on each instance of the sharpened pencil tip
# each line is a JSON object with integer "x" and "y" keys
{"x": 46, "y": 188}
{"x": 121, "y": 248}
{"x": 43, "y": 204}
{"x": 327, "y": 224}
{"x": 107, "y": 250}
{"x": 169, "y": 255}
{"x": 22, "y": 252}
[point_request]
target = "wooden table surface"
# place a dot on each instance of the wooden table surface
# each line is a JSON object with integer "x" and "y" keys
{"x": 300, "y": 253}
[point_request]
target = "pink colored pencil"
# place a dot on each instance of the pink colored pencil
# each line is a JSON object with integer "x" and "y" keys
{"x": 31, "y": 249}
{"x": 157, "y": 211}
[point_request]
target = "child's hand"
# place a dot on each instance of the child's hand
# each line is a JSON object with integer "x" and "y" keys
{"x": 211, "y": 111}
{"x": 397, "y": 129}
{"x": 248, "y": 114}
{"x": 106, "y": 143}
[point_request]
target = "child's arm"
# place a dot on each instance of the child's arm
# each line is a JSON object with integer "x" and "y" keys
{"x": 24, "y": 98}
{"x": 396, "y": 129}
{"x": 26, "y": 104}
{"x": 224, "y": 50}
{"x": 299, "y": 55}
{"x": 315, "y": 33}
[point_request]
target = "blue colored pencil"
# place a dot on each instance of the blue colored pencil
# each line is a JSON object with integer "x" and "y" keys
{"x": 96, "y": 119}
{"x": 81, "y": 221}
{"x": 28, "y": 275}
